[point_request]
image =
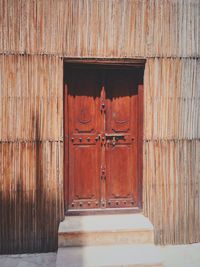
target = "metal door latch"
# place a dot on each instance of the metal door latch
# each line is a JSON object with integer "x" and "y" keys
{"x": 113, "y": 141}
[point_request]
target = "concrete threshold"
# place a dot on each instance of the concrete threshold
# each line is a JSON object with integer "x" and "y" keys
{"x": 105, "y": 230}
{"x": 98, "y": 223}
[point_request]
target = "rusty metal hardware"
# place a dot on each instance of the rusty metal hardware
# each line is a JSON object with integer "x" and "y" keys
{"x": 103, "y": 173}
{"x": 103, "y": 139}
{"x": 72, "y": 139}
{"x": 103, "y": 105}
{"x": 114, "y": 141}
{"x": 114, "y": 135}
{"x": 88, "y": 139}
{"x": 97, "y": 138}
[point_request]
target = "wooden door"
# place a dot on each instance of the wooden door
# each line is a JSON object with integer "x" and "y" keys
{"x": 121, "y": 139}
{"x": 102, "y": 148}
{"x": 84, "y": 127}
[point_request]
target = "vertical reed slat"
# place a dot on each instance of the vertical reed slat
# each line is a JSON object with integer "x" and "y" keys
{"x": 31, "y": 131}
{"x": 93, "y": 28}
{"x": 171, "y": 180}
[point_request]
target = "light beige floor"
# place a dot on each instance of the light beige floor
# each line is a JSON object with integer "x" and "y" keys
{"x": 174, "y": 256}
{"x": 181, "y": 256}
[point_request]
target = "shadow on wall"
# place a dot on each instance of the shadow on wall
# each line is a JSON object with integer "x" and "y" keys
{"x": 30, "y": 196}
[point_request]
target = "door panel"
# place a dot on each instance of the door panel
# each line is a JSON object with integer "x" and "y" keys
{"x": 121, "y": 185}
{"x": 84, "y": 146}
{"x": 84, "y": 187}
{"x": 121, "y": 175}
{"x": 121, "y": 147}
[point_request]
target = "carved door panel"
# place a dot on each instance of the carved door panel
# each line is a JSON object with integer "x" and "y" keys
{"x": 103, "y": 140}
{"x": 84, "y": 126}
{"x": 121, "y": 131}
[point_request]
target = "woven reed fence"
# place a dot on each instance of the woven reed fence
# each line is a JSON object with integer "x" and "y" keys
{"x": 172, "y": 149}
{"x": 35, "y": 36}
{"x": 101, "y": 28}
{"x": 31, "y": 153}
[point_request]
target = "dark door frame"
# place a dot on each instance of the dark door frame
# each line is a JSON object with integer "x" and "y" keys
{"x": 114, "y": 63}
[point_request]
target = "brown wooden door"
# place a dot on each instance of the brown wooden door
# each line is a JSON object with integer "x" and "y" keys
{"x": 121, "y": 144}
{"x": 102, "y": 139}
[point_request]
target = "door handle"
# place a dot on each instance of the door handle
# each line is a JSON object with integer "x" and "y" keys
{"x": 114, "y": 137}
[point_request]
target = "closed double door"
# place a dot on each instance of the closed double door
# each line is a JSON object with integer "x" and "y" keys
{"x": 103, "y": 120}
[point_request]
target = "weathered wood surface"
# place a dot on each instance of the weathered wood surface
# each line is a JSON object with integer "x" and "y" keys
{"x": 172, "y": 149}
{"x": 31, "y": 98}
{"x": 31, "y": 153}
{"x": 172, "y": 99}
{"x": 172, "y": 189}
{"x": 101, "y": 28}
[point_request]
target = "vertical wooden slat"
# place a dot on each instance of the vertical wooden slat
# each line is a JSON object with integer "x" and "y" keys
{"x": 171, "y": 179}
{"x": 31, "y": 141}
{"x": 93, "y": 28}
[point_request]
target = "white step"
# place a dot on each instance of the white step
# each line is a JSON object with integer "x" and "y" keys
{"x": 110, "y": 256}
{"x": 105, "y": 230}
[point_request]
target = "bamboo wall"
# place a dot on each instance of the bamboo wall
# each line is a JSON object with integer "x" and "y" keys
{"x": 172, "y": 149}
{"x": 101, "y": 28}
{"x": 35, "y": 36}
{"x": 31, "y": 152}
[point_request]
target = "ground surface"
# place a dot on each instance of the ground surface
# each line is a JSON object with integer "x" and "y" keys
{"x": 174, "y": 256}
{"x": 28, "y": 260}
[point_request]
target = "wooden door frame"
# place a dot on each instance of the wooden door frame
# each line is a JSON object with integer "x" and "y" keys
{"x": 121, "y": 63}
